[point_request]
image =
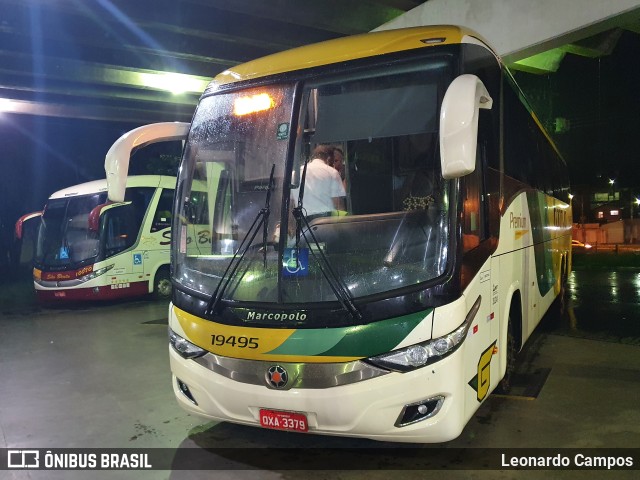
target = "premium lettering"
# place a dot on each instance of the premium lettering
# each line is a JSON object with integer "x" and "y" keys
{"x": 517, "y": 222}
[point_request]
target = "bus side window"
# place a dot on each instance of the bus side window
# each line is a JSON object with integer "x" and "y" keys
{"x": 121, "y": 229}
{"x": 162, "y": 217}
{"x": 123, "y": 222}
{"x": 473, "y": 212}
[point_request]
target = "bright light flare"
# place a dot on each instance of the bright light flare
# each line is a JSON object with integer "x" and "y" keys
{"x": 175, "y": 83}
{"x": 252, "y": 104}
{"x": 7, "y": 105}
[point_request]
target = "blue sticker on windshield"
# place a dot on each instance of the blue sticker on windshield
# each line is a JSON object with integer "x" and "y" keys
{"x": 295, "y": 262}
{"x": 64, "y": 253}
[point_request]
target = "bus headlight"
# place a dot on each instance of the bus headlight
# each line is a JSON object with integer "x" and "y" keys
{"x": 184, "y": 347}
{"x": 426, "y": 353}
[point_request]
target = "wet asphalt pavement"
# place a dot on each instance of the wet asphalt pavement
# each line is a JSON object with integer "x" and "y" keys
{"x": 97, "y": 376}
{"x": 601, "y": 305}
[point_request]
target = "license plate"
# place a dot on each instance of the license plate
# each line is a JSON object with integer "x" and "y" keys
{"x": 278, "y": 420}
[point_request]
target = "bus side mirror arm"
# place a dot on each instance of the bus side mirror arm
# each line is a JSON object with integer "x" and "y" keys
{"x": 459, "y": 125}
{"x": 116, "y": 163}
{"x": 18, "y": 229}
{"x": 94, "y": 217}
{"x": 99, "y": 210}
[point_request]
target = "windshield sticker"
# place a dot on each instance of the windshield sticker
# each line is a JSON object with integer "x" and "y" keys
{"x": 295, "y": 262}
{"x": 183, "y": 239}
{"x": 64, "y": 253}
{"x": 283, "y": 131}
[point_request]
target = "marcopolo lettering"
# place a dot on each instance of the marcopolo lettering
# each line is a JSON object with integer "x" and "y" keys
{"x": 278, "y": 316}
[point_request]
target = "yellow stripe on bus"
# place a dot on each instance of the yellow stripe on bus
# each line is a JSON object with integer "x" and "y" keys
{"x": 248, "y": 343}
{"x": 343, "y": 49}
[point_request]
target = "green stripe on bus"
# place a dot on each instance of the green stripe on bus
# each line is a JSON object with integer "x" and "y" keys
{"x": 356, "y": 341}
{"x": 540, "y": 214}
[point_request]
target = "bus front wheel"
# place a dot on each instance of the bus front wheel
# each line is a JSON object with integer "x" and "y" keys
{"x": 162, "y": 284}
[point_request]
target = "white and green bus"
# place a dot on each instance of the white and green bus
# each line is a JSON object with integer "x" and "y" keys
{"x": 395, "y": 321}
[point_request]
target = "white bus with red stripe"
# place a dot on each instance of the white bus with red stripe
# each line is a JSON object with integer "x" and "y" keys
{"x": 89, "y": 248}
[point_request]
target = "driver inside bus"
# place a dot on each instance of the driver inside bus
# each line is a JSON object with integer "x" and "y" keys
{"x": 323, "y": 189}
{"x": 323, "y": 193}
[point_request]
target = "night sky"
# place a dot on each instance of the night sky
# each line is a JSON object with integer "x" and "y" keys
{"x": 601, "y": 100}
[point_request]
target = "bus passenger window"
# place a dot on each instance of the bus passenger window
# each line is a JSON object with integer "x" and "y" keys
{"x": 121, "y": 229}
{"x": 414, "y": 170}
{"x": 473, "y": 221}
{"x": 162, "y": 217}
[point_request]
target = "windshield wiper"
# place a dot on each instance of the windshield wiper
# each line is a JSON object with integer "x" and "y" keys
{"x": 267, "y": 211}
{"x": 338, "y": 288}
{"x": 261, "y": 220}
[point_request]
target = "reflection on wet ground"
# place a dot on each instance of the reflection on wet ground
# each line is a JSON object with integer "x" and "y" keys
{"x": 601, "y": 305}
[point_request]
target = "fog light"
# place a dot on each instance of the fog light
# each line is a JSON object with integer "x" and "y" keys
{"x": 185, "y": 391}
{"x": 416, "y": 412}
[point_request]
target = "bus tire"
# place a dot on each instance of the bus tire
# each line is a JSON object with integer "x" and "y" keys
{"x": 162, "y": 284}
{"x": 504, "y": 387}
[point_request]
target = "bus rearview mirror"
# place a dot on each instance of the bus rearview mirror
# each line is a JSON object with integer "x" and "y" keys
{"x": 116, "y": 163}
{"x": 97, "y": 211}
{"x": 94, "y": 217}
{"x": 459, "y": 125}
{"x": 19, "y": 227}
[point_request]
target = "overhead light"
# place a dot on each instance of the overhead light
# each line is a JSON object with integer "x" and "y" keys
{"x": 7, "y": 105}
{"x": 176, "y": 83}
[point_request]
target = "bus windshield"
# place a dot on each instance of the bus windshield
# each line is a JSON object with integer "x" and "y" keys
{"x": 64, "y": 237}
{"x": 247, "y": 223}
{"x": 66, "y": 240}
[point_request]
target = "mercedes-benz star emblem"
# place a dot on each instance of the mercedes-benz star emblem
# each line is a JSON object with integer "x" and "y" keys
{"x": 277, "y": 376}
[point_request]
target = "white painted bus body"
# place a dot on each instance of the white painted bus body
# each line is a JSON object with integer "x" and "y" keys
{"x": 140, "y": 269}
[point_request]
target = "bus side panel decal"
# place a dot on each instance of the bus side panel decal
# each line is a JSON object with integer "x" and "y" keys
{"x": 482, "y": 380}
{"x": 541, "y": 210}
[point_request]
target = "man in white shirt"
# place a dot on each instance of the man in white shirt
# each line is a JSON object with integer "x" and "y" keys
{"x": 323, "y": 188}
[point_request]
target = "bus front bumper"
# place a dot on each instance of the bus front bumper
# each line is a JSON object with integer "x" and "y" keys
{"x": 369, "y": 409}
